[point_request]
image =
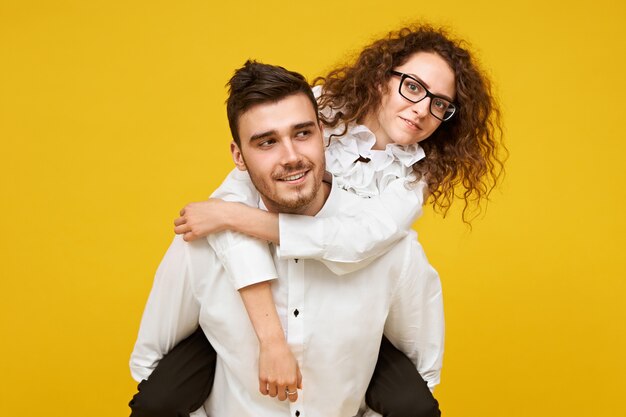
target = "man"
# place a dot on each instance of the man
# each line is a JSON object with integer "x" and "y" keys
{"x": 333, "y": 324}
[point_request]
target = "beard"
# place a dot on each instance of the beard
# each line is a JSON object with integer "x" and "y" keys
{"x": 288, "y": 198}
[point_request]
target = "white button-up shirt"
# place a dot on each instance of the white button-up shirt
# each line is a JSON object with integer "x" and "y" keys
{"x": 333, "y": 323}
{"x": 346, "y": 241}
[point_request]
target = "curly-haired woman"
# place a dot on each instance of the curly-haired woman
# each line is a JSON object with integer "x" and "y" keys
{"x": 412, "y": 119}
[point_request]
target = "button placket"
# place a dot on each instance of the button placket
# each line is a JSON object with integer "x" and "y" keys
{"x": 295, "y": 322}
{"x": 295, "y": 331}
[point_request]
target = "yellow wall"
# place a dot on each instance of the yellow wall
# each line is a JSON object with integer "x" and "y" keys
{"x": 112, "y": 117}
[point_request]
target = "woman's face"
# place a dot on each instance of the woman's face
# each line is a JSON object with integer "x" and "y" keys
{"x": 400, "y": 121}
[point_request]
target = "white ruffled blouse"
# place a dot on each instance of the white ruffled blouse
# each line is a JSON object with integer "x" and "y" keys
{"x": 367, "y": 179}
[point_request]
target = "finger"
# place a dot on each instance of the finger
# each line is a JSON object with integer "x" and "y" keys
{"x": 179, "y": 221}
{"x": 183, "y": 228}
{"x": 182, "y": 212}
{"x": 263, "y": 387}
{"x": 282, "y": 392}
{"x": 272, "y": 389}
{"x": 191, "y": 236}
{"x": 299, "y": 379}
{"x": 292, "y": 393}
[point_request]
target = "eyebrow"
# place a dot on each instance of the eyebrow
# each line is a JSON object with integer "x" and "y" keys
{"x": 428, "y": 87}
{"x": 303, "y": 125}
{"x": 258, "y": 136}
{"x": 263, "y": 135}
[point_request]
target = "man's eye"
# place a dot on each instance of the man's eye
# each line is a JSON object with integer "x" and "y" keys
{"x": 303, "y": 134}
{"x": 266, "y": 143}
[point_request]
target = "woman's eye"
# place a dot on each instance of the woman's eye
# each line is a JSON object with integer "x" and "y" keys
{"x": 440, "y": 104}
{"x": 412, "y": 86}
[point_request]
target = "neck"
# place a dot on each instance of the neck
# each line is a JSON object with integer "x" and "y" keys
{"x": 371, "y": 122}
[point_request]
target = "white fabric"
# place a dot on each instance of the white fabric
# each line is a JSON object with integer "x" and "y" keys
{"x": 242, "y": 270}
{"x": 335, "y": 335}
{"x": 344, "y": 146}
{"x": 350, "y": 237}
{"x": 367, "y": 179}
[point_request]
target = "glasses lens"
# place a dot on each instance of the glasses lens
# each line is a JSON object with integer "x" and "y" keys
{"x": 441, "y": 108}
{"x": 412, "y": 90}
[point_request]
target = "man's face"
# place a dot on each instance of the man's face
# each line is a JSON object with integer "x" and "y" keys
{"x": 283, "y": 151}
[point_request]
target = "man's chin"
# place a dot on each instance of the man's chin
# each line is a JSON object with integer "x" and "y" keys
{"x": 294, "y": 203}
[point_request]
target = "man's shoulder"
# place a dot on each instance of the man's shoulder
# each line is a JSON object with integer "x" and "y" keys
{"x": 406, "y": 257}
{"x": 405, "y": 248}
{"x": 180, "y": 248}
{"x": 189, "y": 256}
{"x": 416, "y": 264}
{"x": 339, "y": 200}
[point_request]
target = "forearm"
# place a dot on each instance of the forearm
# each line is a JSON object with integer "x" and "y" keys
{"x": 259, "y": 304}
{"x": 364, "y": 230}
{"x": 253, "y": 222}
{"x": 279, "y": 373}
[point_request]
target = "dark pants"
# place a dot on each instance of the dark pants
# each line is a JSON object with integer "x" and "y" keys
{"x": 183, "y": 379}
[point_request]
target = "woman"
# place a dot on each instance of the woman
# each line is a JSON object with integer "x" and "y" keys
{"x": 414, "y": 86}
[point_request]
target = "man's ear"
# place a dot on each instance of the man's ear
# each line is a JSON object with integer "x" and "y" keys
{"x": 237, "y": 157}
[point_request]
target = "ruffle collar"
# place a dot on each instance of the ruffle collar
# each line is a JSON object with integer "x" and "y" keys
{"x": 343, "y": 154}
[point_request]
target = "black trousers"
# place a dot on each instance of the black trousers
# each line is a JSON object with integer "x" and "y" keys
{"x": 183, "y": 379}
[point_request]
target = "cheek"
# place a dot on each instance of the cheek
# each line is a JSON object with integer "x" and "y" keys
{"x": 262, "y": 166}
{"x": 395, "y": 105}
{"x": 433, "y": 126}
{"x": 313, "y": 150}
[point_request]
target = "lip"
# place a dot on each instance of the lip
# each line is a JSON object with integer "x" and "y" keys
{"x": 296, "y": 181}
{"x": 411, "y": 124}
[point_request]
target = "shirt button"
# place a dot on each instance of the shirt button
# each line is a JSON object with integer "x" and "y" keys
{"x": 297, "y": 413}
{"x": 296, "y": 312}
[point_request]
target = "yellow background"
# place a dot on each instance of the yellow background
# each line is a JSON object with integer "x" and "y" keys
{"x": 112, "y": 117}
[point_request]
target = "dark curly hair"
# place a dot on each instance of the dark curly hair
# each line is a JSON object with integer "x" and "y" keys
{"x": 465, "y": 155}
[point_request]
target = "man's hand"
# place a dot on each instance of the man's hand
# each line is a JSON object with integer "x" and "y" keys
{"x": 279, "y": 374}
{"x": 202, "y": 218}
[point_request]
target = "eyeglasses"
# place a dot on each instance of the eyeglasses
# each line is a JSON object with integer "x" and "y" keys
{"x": 414, "y": 91}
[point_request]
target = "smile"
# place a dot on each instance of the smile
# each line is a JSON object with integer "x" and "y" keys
{"x": 411, "y": 124}
{"x": 294, "y": 177}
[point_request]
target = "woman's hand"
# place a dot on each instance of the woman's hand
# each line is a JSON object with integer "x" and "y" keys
{"x": 279, "y": 373}
{"x": 203, "y": 218}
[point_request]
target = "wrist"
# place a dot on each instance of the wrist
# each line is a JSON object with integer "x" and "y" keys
{"x": 272, "y": 339}
{"x": 230, "y": 216}
{"x": 241, "y": 218}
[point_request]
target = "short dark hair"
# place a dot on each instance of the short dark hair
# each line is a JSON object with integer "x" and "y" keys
{"x": 258, "y": 83}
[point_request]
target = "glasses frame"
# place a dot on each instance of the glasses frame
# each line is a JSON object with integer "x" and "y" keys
{"x": 430, "y": 95}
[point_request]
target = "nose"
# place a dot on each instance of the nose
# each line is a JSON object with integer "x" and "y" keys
{"x": 290, "y": 154}
{"x": 422, "y": 108}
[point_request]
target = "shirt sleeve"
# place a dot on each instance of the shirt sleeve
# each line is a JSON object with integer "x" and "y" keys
{"x": 359, "y": 233}
{"x": 171, "y": 313}
{"x": 415, "y": 323}
{"x": 247, "y": 260}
